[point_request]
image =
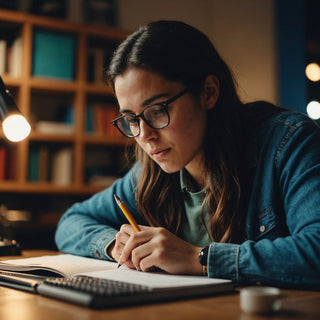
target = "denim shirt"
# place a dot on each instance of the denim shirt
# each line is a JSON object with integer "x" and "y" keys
{"x": 282, "y": 245}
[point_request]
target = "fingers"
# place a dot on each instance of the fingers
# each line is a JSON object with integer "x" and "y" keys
{"x": 120, "y": 241}
{"x": 127, "y": 241}
{"x": 139, "y": 254}
{"x": 144, "y": 244}
{"x": 156, "y": 247}
{"x": 122, "y": 248}
{"x": 134, "y": 241}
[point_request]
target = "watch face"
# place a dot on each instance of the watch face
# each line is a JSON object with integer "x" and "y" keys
{"x": 203, "y": 256}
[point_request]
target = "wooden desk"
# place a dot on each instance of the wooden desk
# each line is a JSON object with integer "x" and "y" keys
{"x": 19, "y": 305}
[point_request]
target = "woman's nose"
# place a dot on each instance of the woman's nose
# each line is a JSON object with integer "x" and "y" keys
{"x": 146, "y": 132}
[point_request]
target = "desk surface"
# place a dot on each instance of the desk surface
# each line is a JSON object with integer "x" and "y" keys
{"x": 16, "y": 304}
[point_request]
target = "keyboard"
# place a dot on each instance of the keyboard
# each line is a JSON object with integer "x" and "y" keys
{"x": 95, "y": 293}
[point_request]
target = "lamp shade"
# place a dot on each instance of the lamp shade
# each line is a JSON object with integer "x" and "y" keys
{"x": 15, "y": 126}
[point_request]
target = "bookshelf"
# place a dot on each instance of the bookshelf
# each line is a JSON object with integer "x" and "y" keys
{"x": 40, "y": 98}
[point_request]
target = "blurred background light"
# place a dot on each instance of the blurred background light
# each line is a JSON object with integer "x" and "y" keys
{"x": 313, "y": 110}
{"x": 313, "y": 71}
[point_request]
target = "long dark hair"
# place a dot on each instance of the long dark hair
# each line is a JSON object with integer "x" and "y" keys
{"x": 181, "y": 53}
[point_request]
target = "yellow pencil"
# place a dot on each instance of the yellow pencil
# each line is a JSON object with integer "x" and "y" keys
{"x": 127, "y": 213}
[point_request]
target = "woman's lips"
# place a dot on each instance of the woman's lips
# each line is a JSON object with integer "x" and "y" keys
{"x": 159, "y": 153}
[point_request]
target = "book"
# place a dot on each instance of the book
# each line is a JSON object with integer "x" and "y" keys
{"x": 33, "y": 164}
{"x": 29, "y": 274}
{"x": 62, "y": 166}
{"x": 15, "y": 58}
{"x": 65, "y": 265}
{"x": 54, "y": 127}
{"x": 98, "y": 119}
{"x": 43, "y": 163}
{"x": 96, "y": 56}
{"x": 48, "y": 49}
{"x": 75, "y": 10}
{"x": 101, "y": 12}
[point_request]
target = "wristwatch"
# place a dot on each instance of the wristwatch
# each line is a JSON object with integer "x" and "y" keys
{"x": 203, "y": 260}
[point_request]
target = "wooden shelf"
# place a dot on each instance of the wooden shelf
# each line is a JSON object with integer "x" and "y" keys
{"x": 20, "y": 18}
{"x": 39, "y": 97}
{"x": 36, "y": 136}
{"x": 99, "y": 89}
{"x": 46, "y": 84}
{"x": 102, "y": 140}
{"x": 48, "y": 188}
{"x": 11, "y": 81}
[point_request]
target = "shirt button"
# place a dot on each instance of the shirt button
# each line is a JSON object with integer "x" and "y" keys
{"x": 262, "y": 228}
{"x": 98, "y": 255}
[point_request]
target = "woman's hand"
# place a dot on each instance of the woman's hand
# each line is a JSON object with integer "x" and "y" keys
{"x": 155, "y": 248}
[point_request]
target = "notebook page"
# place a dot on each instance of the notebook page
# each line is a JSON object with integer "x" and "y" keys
{"x": 154, "y": 280}
{"x": 66, "y": 264}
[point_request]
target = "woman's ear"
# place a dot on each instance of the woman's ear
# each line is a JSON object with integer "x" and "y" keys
{"x": 210, "y": 92}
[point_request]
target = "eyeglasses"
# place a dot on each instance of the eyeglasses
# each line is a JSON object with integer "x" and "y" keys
{"x": 155, "y": 116}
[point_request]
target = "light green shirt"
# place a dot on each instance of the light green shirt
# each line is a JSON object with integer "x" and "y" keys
{"x": 192, "y": 228}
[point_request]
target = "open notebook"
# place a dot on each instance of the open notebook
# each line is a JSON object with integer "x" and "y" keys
{"x": 99, "y": 284}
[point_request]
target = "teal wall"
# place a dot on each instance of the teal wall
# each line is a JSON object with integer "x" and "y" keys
{"x": 291, "y": 42}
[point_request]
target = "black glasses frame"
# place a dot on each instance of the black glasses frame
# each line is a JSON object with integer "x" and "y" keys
{"x": 163, "y": 104}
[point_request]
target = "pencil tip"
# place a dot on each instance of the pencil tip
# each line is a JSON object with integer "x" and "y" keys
{"x": 118, "y": 201}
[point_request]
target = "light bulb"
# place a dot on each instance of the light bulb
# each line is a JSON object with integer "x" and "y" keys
{"x": 313, "y": 110}
{"x": 16, "y": 127}
{"x": 313, "y": 72}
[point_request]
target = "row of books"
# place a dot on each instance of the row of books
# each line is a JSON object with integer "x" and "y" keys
{"x": 102, "y": 12}
{"x": 98, "y": 122}
{"x": 7, "y": 163}
{"x": 11, "y": 57}
{"x": 99, "y": 118}
{"x": 50, "y": 165}
{"x": 56, "y": 166}
{"x": 61, "y": 121}
{"x": 55, "y": 127}
{"x": 48, "y": 48}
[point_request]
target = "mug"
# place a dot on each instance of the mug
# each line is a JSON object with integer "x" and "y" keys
{"x": 261, "y": 300}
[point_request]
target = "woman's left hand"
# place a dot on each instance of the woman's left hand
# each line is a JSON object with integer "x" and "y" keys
{"x": 158, "y": 248}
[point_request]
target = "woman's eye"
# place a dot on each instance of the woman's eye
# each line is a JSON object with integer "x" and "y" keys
{"x": 159, "y": 110}
{"x": 132, "y": 120}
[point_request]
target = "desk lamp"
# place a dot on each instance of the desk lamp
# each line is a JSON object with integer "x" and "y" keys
{"x": 14, "y": 124}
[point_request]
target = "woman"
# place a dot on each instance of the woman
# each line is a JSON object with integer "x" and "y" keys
{"x": 219, "y": 187}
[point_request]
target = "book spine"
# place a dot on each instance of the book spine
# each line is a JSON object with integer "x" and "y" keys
{"x": 15, "y": 58}
{"x": 99, "y": 118}
{"x": 89, "y": 120}
{"x": 62, "y": 167}
{"x": 75, "y": 10}
{"x": 33, "y": 165}
{"x": 43, "y": 163}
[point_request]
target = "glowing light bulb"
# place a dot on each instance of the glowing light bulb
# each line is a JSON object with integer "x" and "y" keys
{"x": 313, "y": 72}
{"x": 313, "y": 110}
{"x": 16, "y": 127}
